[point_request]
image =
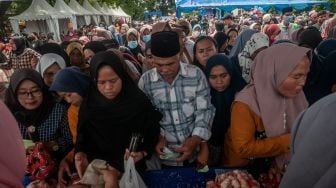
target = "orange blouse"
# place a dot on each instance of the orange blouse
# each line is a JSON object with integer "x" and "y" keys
{"x": 240, "y": 143}
{"x": 73, "y": 121}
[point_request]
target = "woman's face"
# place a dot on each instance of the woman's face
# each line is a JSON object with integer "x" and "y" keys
{"x": 88, "y": 54}
{"x": 131, "y": 37}
{"x": 71, "y": 97}
{"x": 232, "y": 36}
{"x": 219, "y": 78}
{"x": 48, "y": 75}
{"x": 257, "y": 27}
{"x": 123, "y": 30}
{"x": 109, "y": 83}
{"x": 146, "y": 32}
{"x": 12, "y": 44}
{"x": 204, "y": 50}
{"x": 294, "y": 83}
{"x": 76, "y": 57}
{"x": 29, "y": 95}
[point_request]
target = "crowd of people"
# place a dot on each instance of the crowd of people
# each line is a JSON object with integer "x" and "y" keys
{"x": 197, "y": 92}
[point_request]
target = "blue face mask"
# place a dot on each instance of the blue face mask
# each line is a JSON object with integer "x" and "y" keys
{"x": 147, "y": 38}
{"x": 132, "y": 44}
{"x": 289, "y": 19}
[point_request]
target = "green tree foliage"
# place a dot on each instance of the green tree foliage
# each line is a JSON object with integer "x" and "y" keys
{"x": 135, "y": 8}
{"x": 333, "y": 5}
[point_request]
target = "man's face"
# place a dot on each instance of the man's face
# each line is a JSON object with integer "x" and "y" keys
{"x": 228, "y": 22}
{"x": 167, "y": 67}
{"x": 322, "y": 18}
{"x": 288, "y": 17}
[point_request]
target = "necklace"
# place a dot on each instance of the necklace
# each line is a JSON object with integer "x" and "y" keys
{"x": 284, "y": 114}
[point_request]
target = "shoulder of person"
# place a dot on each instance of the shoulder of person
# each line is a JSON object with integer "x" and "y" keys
{"x": 191, "y": 70}
{"x": 58, "y": 107}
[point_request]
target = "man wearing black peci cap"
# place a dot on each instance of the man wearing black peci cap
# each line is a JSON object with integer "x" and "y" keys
{"x": 181, "y": 93}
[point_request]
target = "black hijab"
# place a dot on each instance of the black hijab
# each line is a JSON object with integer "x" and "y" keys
{"x": 56, "y": 49}
{"x": 317, "y": 68}
{"x": 310, "y": 38}
{"x": 28, "y": 117}
{"x": 223, "y": 100}
{"x": 109, "y": 124}
{"x": 95, "y": 46}
{"x": 20, "y": 45}
{"x": 327, "y": 78}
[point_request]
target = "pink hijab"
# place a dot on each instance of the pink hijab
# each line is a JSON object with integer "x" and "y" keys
{"x": 12, "y": 158}
{"x": 271, "y": 67}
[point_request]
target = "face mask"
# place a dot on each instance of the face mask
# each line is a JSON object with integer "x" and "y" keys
{"x": 147, "y": 38}
{"x": 289, "y": 19}
{"x": 132, "y": 44}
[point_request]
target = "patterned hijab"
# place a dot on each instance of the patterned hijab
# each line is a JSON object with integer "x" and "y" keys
{"x": 257, "y": 41}
{"x": 272, "y": 66}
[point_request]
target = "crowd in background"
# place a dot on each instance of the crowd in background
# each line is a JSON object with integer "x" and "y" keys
{"x": 201, "y": 91}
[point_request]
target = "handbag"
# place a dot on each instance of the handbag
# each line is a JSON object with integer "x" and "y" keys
{"x": 131, "y": 178}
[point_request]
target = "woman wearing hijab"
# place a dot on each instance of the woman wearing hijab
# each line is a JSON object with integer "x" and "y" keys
{"x": 313, "y": 137}
{"x": 133, "y": 44}
{"x": 91, "y": 48}
{"x": 72, "y": 85}
{"x": 204, "y": 48}
{"x": 325, "y": 83}
{"x": 196, "y": 32}
{"x": 145, "y": 36}
{"x": 256, "y": 44}
{"x": 114, "y": 109}
{"x": 48, "y": 66}
{"x": 20, "y": 56}
{"x": 272, "y": 31}
{"x": 310, "y": 38}
{"x": 12, "y": 158}
{"x": 40, "y": 119}
{"x": 76, "y": 54}
{"x": 239, "y": 45}
{"x": 222, "y": 42}
{"x": 264, "y": 111}
{"x": 317, "y": 69}
{"x": 56, "y": 49}
{"x": 225, "y": 81}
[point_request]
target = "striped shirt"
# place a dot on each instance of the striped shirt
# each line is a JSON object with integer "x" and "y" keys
{"x": 185, "y": 105}
{"x": 54, "y": 128}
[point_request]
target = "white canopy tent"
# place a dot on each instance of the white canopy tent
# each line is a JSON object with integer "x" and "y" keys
{"x": 106, "y": 15}
{"x": 62, "y": 7}
{"x": 123, "y": 14}
{"x": 88, "y": 16}
{"x": 40, "y": 17}
{"x": 90, "y": 8}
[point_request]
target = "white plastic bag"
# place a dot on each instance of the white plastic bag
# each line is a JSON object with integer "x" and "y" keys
{"x": 131, "y": 178}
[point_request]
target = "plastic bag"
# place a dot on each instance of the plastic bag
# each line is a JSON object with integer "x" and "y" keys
{"x": 131, "y": 178}
{"x": 39, "y": 163}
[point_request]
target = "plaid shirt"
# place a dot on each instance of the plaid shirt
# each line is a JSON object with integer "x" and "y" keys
{"x": 185, "y": 105}
{"x": 21, "y": 61}
{"x": 54, "y": 128}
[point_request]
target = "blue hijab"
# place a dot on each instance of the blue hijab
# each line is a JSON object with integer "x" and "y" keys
{"x": 223, "y": 100}
{"x": 317, "y": 81}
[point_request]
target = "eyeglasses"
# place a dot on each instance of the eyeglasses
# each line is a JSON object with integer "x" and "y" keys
{"x": 25, "y": 94}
